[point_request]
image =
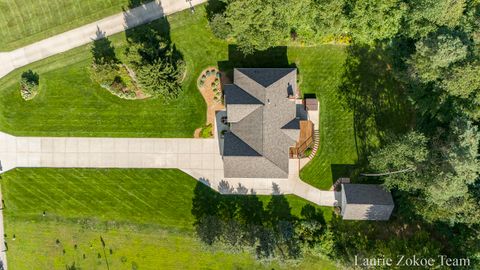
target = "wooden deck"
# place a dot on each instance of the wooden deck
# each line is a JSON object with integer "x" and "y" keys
{"x": 306, "y": 139}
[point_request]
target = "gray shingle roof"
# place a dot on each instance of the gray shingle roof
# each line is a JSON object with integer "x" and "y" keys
{"x": 260, "y": 126}
{"x": 265, "y": 76}
{"x": 367, "y": 194}
{"x": 237, "y": 147}
{"x": 236, "y": 95}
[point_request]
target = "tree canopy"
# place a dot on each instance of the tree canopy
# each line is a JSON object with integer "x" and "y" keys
{"x": 428, "y": 51}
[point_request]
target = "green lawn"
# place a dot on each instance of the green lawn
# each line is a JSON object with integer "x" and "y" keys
{"x": 142, "y": 215}
{"x": 27, "y": 21}
{"x": 70, "y": 104}
{"x": 320, "y": 71}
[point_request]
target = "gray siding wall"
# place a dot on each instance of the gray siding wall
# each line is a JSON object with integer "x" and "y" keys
{"x": 366, "y": 211}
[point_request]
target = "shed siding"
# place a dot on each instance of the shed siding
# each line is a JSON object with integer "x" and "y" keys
{"x": 366, "y": 211}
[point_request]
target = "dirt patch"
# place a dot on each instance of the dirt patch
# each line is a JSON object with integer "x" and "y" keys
{"x": 209, "y": 83}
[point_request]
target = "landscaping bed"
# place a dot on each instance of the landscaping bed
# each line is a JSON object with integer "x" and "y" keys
{"x": 210, "y": 86}
{"x": 119, "y": 82}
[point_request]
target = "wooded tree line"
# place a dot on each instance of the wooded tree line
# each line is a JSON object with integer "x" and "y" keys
{"x": 272, "y": 232}
{"x": 431, "y": 50}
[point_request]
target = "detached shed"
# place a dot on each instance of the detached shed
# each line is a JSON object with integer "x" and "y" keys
{"x": 366, "y": 202}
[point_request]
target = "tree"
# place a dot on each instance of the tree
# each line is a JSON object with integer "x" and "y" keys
{"x": 103, "y": 51}
{"x": 434, "y": 55}
{"x": 442, "y": 172}
{"x": 463, "y": 81}
{"x": 456, "y": 167}
{"x": 161, "y": 78}
{"x": 373, "y": 20}
{"x": 427, "y": 16}
{"x": 330, "y": 19}
{"x": 257, "y": 24}
{"x": 407, "y": 155}
{"x": 220, "y": 27}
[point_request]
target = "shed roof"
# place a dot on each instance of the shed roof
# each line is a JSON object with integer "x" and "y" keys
{"x": 367, "y": 194}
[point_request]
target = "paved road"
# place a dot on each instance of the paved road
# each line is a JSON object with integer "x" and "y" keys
{"x": 85, "y": 34}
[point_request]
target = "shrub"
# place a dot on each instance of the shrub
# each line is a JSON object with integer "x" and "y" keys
{"x": 218, "y": 75}
{"x": 115, "y": 79}
{"x": 207, "y": 131}
{"x": 207, "y": 73}
{"x": 29, "y": 84}
{"x": 219, "y": 26}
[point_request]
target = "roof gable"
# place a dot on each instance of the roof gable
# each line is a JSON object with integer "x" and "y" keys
{"x": 265, "y": 76}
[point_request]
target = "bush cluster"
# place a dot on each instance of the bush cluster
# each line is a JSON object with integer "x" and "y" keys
{"x": 29, "y": 84}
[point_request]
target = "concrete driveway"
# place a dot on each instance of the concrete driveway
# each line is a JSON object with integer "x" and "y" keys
{"x": 200, "y": 158}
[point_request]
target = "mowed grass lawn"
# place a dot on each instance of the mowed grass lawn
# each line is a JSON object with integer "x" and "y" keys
{"x": 26, "y": 21}
{"x": 70, "y": 104}
{"x": 143, "y": 216}
{"x": 321, "y": 69}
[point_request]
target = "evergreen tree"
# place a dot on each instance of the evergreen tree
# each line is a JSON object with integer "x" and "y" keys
{"x": 434, "y": 55}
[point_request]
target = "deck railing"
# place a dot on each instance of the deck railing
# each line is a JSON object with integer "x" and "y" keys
{"x": 297, "y": 151}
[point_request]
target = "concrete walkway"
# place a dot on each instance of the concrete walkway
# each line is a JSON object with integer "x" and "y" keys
{"x": 85, "y": 34}
{"x": 200, "y": 158}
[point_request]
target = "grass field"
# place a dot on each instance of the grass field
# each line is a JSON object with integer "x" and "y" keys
{"x": 26, "y": 21}
{"x": 143, "y": 216}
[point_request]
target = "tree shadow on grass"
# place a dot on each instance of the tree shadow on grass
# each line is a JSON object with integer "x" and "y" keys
{"x": 342, "y": 171}
{"x": 154, "y": 37}
{"x": 215, "y": 7}
{"x": 242, "y": 220}
{"x": 378, "y": 101}
{"x": 275, "y": 57}
{"x": 102, "y": 49}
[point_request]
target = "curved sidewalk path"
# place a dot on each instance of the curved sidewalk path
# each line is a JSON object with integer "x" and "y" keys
{"x": 87, "y": 33}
